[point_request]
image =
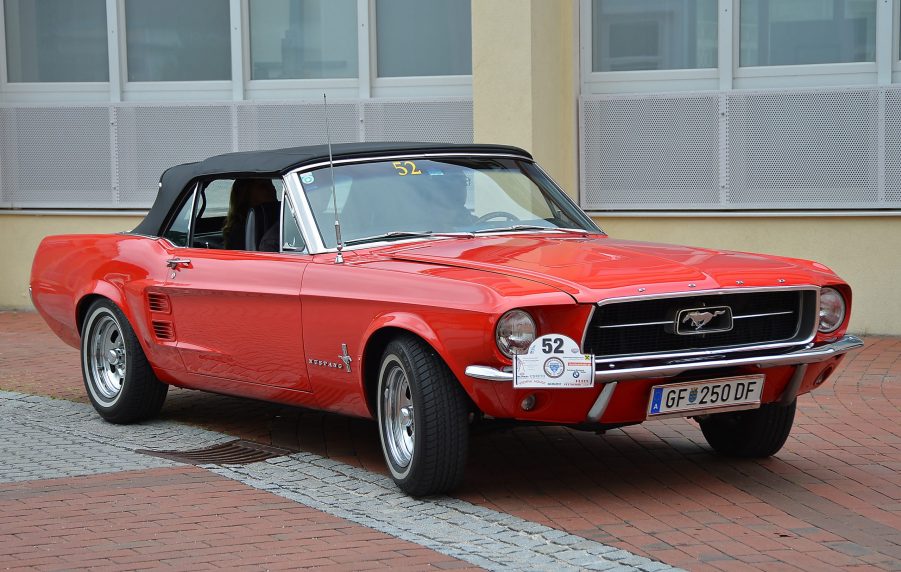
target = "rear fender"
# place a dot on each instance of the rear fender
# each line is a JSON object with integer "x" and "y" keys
{"x": 133, "y": 311}
{"x": 99, "y": 289}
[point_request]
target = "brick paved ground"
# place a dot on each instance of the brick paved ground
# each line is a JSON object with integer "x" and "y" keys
{"x": 830, "y": 498}
{"x": 44, "y": 438}
{"x": 184, "y": 518}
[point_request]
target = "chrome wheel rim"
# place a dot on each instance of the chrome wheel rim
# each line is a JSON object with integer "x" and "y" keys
{"x": 399, "y": 417}
{"x": 107, "y": 357}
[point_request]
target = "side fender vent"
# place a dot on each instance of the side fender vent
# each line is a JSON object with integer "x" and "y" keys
{"x": 158, "y": 303}
{"x": 164, "y": 331}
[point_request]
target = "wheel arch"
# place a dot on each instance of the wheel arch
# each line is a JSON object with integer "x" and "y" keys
{"x": 99, "y": 291}
{"x": 380, "y": 334}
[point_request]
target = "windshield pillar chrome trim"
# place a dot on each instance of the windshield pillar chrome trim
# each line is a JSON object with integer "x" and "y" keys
{"x": 304, "y": 213}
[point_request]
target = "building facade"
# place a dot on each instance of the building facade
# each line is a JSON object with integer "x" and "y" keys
{"x": 756, "y": 125}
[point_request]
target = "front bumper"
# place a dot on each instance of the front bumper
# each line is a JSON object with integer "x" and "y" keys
{"x": 673, "y": 368}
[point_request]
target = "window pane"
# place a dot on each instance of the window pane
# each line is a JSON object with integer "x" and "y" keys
{"x": 303, "y": 39}
{"x": 181, "y": 226}
{"x": 56, "y": 40}
{"x": 423, "y": 37}
{"x": 432, "y": 195}
{"x": 292, "y": 239}
{"x": 792, "y": 32}
{"x": 653, "y": 35}
{"x": 174, "y": 40}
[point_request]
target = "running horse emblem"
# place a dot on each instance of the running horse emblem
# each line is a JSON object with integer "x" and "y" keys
{"x": 701, "y": 319}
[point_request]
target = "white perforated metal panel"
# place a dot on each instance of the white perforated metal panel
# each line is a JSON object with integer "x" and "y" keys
{"x": 803, "y": 150}
{"x": 892, "y": 152}
{"x": 112, "y": 156}
{"x": 444, "y": 120}
{"x": 55, "y": 156}
{"x": 150, "y": 139}
{"x": 273, "y": 126}
{"x": 733, "y": 150}
{"x": 662, "y": 153}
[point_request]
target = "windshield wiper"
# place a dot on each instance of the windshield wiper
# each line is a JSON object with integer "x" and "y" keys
{"x": 517, "y": 227}
{"x": 410, "y": 234}
{"x": 389, "y": 236}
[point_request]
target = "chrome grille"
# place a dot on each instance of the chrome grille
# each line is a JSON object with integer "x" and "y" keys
{"x": 647, "y": 326}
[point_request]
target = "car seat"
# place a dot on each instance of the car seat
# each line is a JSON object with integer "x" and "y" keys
{"x": 260, "y": 218}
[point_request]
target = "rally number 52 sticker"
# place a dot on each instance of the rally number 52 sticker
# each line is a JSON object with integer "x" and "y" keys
{"x": 553, "y": 360}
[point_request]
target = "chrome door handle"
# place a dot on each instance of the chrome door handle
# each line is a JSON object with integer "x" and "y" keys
{"x": 174, "y": 263}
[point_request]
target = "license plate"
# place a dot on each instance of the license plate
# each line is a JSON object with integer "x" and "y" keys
{"x": 728, "y": 393}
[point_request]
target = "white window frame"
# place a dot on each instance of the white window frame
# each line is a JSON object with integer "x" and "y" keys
{"x": 39, "y": 92}
{"x": 802, "y": 75}
{"x": 166, "y": 90}
{"x": 731, "y": 75}
{"x": 241, "y": 87}
{"x": 895, "y": 56}
{"x": 414, "y": 86}
{"x": 695, "y": 79}
{"x": 283, "y": 89}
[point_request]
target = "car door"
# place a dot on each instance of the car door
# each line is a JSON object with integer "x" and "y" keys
{"x": 237, "y": 313}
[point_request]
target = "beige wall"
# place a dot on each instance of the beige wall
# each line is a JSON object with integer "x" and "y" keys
{"x": 864, "y": 251}
{"x": 524, "y": 80}
{"x": 19, "y": 238}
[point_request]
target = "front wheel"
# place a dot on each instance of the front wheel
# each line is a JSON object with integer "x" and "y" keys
{"x": 422, "y": 417}
{"x": 117, "y": 376}
{"x": 756, "y": 433}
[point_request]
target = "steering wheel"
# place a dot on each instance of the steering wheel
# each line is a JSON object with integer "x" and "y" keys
{"x": 498, "y": 214}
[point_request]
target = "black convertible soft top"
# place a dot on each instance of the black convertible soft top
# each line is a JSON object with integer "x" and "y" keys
{"x": 277, "y": 162}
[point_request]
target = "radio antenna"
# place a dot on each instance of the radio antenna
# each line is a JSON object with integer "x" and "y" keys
{"x": 331, "y": 167}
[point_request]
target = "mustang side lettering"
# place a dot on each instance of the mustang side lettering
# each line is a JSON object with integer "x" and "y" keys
{"x": 432, "y": 286}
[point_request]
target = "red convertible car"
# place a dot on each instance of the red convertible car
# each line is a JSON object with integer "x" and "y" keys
{"x": 431, "y": 286}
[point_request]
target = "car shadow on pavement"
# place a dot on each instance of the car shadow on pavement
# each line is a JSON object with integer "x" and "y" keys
{"x": 655, "y": 489}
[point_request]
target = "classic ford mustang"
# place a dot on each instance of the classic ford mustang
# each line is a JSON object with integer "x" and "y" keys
{"x": 432, "y": 286}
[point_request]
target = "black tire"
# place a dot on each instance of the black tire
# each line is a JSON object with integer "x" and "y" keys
{"x": 756, "y": 433}
{"x": 117, "y": 376}
{"x": 425, "y": 448}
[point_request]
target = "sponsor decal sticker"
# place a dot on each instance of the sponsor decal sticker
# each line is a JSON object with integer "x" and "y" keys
{"x": 554, "y": 361}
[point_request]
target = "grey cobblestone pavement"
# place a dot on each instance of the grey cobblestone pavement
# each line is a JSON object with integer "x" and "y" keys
{"x": 42, "y": 438}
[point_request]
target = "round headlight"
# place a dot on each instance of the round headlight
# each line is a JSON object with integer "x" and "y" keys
{"x": 515, "y": 332}
{"x": 832, "y": 310}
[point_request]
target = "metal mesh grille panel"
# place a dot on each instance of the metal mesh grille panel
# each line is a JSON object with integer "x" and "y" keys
{"x": 55, "y": 155}
{"x": 238, "y": 452}
{"x": 655, "y": 152}
{"x": 112, "y": 156}
{"x": 893, "y": 148}
{"x": 803, "y": 149}
{"x": 775, "y": 149}
{"x": 444, "y": 121}
{"x": 151, "y": 139}
{"x": 272, "y": 126}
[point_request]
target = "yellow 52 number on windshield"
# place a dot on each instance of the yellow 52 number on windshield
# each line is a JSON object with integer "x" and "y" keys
{"x": 405, "y": 168}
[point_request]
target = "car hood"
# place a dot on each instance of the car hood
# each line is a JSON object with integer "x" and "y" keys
{"x": 597, "y": 267}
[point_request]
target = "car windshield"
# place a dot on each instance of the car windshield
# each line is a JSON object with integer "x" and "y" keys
{"x": 408, "y": 198}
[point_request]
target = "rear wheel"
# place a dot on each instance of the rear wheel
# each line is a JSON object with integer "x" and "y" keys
{"x": 117, "y": 376}
{"x": 754, "y": 433}
{"x": 422, "y": 417}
